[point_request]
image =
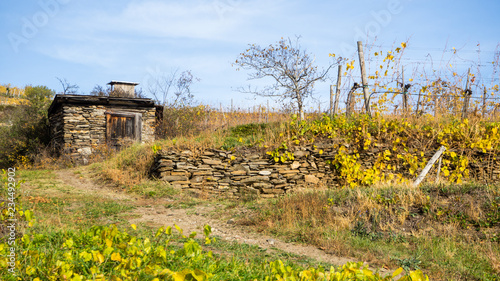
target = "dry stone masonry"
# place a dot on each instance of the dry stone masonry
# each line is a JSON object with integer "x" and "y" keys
{"x": 235, "y": 173}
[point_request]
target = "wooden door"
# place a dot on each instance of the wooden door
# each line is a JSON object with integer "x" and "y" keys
{"x": 122, "y": 128}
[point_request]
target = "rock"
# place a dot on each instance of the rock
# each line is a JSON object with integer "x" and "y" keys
{"x": 295, "y": 165}
{"x": 300, "y": 153}
{"x": 85, "y": 151}
{"x": 184, "y": 166}
{"x": 225, "y": 180}
{"x": 311, "y": 179}
{"x": 240, "y": 167}
{"x": 262, "y": 185}
{"x": 202, "y": 173}
{"x": 180, "y": 173}
{"x": 272, "y": 191}
{"x": 265, "y": 173}
{"x": 271, "y": 241}
{"x": 197, "y": 179}
{"x": 183, "y": 183}
{"x": 175, "y": 178}
{"x": 261, "y": 163}
{"x": 239, "y": 173}
{"x": 313, "y": 165}
{"x": 230, "y": 221}
{"x": 166, "y": 163}
{"x": 254, "y": 179}
{"x": 212, "y": 161}
{"x": 278, "y": 181}
{"x": 288, "y": 171}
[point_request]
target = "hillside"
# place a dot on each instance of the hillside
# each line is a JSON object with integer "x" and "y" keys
{"x": 363, "y": 209}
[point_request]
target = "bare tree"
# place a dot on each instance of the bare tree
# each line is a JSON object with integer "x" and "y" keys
{"x": 174, "y": 89}
{"x": 100, "y": 91}
{"x": 107, "y": 92}
{"x": 292, "y": 69}
{"x": 68, "y": 89}
{"x": 139, "y": 93}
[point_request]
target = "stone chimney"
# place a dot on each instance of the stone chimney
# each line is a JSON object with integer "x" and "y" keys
{"x": 125, "y": 89}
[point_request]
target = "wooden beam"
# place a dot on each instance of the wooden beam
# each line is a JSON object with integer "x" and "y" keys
{"x": 364, "y": 79}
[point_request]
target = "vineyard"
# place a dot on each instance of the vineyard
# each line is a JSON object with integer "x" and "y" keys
{"x": 11, "y": 95}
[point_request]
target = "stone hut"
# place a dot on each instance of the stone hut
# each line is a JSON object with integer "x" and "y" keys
{"x": 81, "y": 125}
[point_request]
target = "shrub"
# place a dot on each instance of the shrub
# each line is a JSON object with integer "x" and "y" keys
{"x": 28, "y": 132}
{"x": 183, "y": 120}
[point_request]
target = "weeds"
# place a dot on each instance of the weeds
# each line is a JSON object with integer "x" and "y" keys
{"x": 411, "y": 263}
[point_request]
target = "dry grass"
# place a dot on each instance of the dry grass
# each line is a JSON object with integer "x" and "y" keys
{"x": 128, "y": 167}
{"x": 432, "y": 224}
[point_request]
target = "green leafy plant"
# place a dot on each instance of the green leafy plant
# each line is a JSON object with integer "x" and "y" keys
{"x": 281, "y": 154}
{"x": 108, "y": 253}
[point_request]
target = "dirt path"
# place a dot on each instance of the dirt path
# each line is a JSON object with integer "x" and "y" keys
{"x": 154, "y": 212}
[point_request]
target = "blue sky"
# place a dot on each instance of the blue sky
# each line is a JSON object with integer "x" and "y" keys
{"x": 93, "y": 42}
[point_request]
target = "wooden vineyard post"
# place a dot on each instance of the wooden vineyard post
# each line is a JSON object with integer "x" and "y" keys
{"x": 429, "y": 166}
{"x": 267, "y": 112}
{"x": 436, "y": 105}
{"x": 331, "y": 102}
{"x": 350, "y": 100}
{"x": 438, "y": 169}
{"x": 467, "y": 93}
{"x": 230, "y": 117}
{"x": 364, "y": 79}
{"x": 418, "y": 102}
{"x": 403, "y": 90}
{"x": 337, "y": 91}
{"x": 348, "y": 104}
{"x": 483, "y": 108}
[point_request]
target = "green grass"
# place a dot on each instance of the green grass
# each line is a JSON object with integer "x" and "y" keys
{"x": 94, "y": 210}
{"x": 254, "y": 254}
{"x": 108, "y": 251}
{"x": 63, "y": 207}
{"x": 154, "y": 189}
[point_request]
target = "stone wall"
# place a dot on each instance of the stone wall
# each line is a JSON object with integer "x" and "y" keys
{"x": 233, "y": 173}
{"x": 79, "y": 130}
